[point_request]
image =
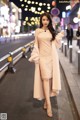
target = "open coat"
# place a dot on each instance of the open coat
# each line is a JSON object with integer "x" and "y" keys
{"x": 56, "y": 82}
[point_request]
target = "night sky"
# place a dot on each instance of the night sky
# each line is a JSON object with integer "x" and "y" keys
{"x": 30, "y": 14}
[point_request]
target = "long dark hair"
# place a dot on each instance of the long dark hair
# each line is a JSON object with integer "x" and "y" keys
{"x": 50, "y": 27}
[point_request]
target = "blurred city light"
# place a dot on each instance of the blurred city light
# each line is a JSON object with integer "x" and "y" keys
{"x": 26, "y": 6}
{"x": 36, "y": 2}
{"x": 48, "y": 4}
{"x": 44, "y": 4}
{"x": 13, "y": 10}
{"x": 40, "y": 4}
{"x": 48, "y": 7}
{"x": 63, "y": 14}
{"x": 33, "y": 9}
{"x": 75, "y": 20}
{"x": 26, "y": 18}
{"x": 22, "y": 5}
{"x": 25, "y": 9}
{"x": 39, "y": 8}
{"x": 68, "y": 7}
{"x": 21, "y": 0}
{"x": 33, "y": 2}
{"x": 28, "y": 2}
{"x": 25, "y": 0}
{"x": 53, "y": 3}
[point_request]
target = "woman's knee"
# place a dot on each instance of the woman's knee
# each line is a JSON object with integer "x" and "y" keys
{"x": 45, "y": 79}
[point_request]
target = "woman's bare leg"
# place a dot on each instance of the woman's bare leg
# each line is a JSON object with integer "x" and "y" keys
{"x": 50, "y": 84}
{"x": 47, "y": 96}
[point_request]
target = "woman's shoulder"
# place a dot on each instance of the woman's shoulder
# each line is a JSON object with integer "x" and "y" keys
{"x": 38, "y": 30}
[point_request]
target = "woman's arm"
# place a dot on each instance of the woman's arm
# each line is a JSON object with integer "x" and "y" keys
{"x": 35, "y": 52}
{"x": 36, "y": 34}
{"x": 58, "y": 39}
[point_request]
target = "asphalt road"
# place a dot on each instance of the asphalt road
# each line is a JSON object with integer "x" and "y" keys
{"x": 16, "y": 96}
{"x": 9, "y": 46}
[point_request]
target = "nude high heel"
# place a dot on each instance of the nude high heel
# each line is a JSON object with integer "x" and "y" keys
{"x": 49, "y": 112}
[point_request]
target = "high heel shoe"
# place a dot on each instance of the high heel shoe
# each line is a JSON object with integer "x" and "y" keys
{"x": 49, "y": 112}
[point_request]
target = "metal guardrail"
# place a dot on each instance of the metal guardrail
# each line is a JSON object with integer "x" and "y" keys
{"x": 21, "y": 51}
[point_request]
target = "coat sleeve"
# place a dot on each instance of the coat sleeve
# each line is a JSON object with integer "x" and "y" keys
{"x": 58, "y": 39}
{"x": 35, "y": 52}
{"x": 36, "y": 40}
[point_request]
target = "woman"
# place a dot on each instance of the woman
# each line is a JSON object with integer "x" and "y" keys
{"x": 47, "y": 74}
{"x": 78, "y": 36}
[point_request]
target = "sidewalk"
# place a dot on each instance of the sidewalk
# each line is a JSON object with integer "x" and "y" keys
{"x": 72, "y": 77}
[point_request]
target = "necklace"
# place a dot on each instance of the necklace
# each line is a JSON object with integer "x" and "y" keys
{"x": 44, "y": 29}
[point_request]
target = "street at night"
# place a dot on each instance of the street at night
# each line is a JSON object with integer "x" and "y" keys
{"x": 39, "y": 59}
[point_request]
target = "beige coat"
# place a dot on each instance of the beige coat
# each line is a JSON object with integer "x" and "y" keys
{"x": 56, "y": 82}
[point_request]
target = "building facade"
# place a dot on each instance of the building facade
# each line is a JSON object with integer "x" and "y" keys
{"x": 10, "y": 18}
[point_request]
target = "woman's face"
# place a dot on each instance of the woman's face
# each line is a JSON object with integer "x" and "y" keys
{"x": 45, "y": 21}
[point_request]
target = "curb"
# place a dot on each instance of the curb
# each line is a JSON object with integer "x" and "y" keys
{"x": 69, "y": 72}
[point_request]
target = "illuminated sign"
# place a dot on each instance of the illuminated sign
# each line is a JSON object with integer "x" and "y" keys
{"x": 64, "y": 1}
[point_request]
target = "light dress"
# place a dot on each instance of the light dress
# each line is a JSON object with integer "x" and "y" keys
{"x": 45, "y": 53}
{"x": 46, "y": 60}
